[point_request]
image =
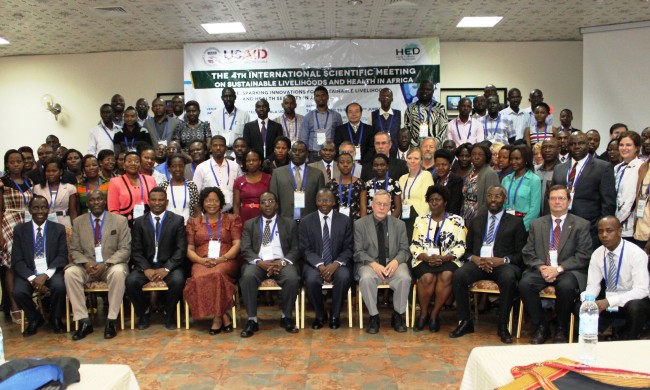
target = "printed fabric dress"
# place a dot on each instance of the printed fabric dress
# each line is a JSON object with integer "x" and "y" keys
{"x": 375, "y": 185}
{"x": 470, "y": 198}
{"x": 15, "y": 204}
{"x": 341, "y": 199}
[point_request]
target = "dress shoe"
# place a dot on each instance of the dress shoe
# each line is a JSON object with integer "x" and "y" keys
{"x": 85, "y": 328}
{"x": 561, "y": 335}
{"x": 335, "y": 323}
{"x": 170, "y": 323}
{"x": 434, "y": 324}
{"x": 57, "y": 325}
{"x": 373, "y": 324}
{"x": 288, "y": 325}
{"x": 32, "y": 327}
{"x": 464, "y": 327}
{"x": 250, "y": 329}
{"x": 143, "y": 322}
{"x": 397, "y": 321}
{"x": 421, "y": 322}
{"x": 504, "y": 334}
{"x": 109, "y": 330}
{"x": 318, "y": 323}
{"x": 540, "y": 335}
{"x": 227, "y": 328}
{"x": 213, "y": 331}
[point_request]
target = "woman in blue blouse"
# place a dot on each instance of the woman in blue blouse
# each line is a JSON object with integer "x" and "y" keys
{"x": 523, "y": 186}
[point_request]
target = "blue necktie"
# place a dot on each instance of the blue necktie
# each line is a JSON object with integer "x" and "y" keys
{"x": 40, "y": 247}
{"x": 490, "y": 235}
{"x": 327, "y": 244}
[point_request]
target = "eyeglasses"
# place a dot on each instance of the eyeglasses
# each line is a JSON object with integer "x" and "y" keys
{"x": 381, "y": 204}
{"x": 268, "y": 201}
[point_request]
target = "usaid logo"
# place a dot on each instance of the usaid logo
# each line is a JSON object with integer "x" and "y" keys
{"x": 248, "y": 55}
{"x": 409, "y": 53}
{"x": 210, "y": 56}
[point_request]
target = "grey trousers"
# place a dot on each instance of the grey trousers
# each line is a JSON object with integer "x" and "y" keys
{"x": 400, "y": 283}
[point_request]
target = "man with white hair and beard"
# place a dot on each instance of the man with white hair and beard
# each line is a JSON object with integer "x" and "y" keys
{"x": 429, "y": 146}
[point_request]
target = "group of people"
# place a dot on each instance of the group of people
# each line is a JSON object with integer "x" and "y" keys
{"x": 203, "y": 206}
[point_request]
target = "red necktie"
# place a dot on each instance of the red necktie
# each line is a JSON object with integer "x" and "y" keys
{"x": 263, "y": 132}
{"x": 98, "y": 232}
{"x": 329, "y": 172}
{"x": 572, "y": 177}
{"x": 556, "y": 239}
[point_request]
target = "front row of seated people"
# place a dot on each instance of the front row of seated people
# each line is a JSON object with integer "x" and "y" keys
{"x": 330, "y": 249}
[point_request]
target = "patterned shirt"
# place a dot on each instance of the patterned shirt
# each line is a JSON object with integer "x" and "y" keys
{"x": 451, "y": 240}
{"x": 418, "y": 113}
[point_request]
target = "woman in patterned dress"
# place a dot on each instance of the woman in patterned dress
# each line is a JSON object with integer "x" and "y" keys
{"x": 92, "y": 180}
{"x": 382, "y": 181}
{"x": 478, "y": 181}
{"x": 192, "y": 128}
{"x": 349, "y": 191}
{"x": 182, "y": 194}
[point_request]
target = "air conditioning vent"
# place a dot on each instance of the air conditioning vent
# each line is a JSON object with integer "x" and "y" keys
{"x": 111, "y": 10}
{"x": 402, "y": 3}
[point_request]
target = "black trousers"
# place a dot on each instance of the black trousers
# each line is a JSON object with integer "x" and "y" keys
{"x": 566, "y": 291}
{"x": 313, "y": 287}
{"x": 175, "y": 281}
{"x": 505, "y": 276}
{"x": 635, "y": 312}
{"x": 287, "y": 278}
{"x": 23, "y": 291}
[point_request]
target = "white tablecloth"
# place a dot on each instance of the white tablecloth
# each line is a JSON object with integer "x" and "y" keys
{"x": 489, "y": 367}
{"x": 105, "y": 377}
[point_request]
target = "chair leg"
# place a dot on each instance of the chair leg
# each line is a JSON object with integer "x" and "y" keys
{"x": 298, "y": 312}
{"x": 187, "y": 315}
{"x": 132, "y": 319}
{"x": 510, "y": 320}
{"x": 178, "y": 315}
{"x": 521, "y": 317}
{"x": 302, "y": 308}
{"x": 571, "y": 324}
{"x": 415, "y": 290}
{"x": 67, "y": 313}
{"x": 234, "y": 310}
{"x": 476, "y": 307}
{"x": 122, "y": 314}
{"x": 360, "y": 304}
{"x": 22, "y": 321}
{"x": 350, "y": 307}
{"x": 408, "y": 317}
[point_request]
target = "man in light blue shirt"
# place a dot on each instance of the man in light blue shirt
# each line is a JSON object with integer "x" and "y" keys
{"x": 319, "y": 124}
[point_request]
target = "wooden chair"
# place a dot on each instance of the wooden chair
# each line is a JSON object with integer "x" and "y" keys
{"x": 548, "y": 293}
{"x": 157, "y": 286}
{"x": 234, "y": 312}
{"x": 360, "y": 303}
{"x": 325, "y": 287}
{"x": 90, "y": 287}
{"x": 271, "y": 285}
{"x": 487, "y": 287}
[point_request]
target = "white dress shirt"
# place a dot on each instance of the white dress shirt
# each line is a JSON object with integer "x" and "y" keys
{"x": 228, "y": 125}
{"x": 226, "y": 174}
{"x": 101, "y": 137}
{"x": 275, "y": 244}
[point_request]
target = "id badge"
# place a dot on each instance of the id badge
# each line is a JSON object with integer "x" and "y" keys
{"x": 510, "y": 211}
{"x": 571, "y": 200}
{"x": 433, "y": 251}
{"x": 98, "y": 254}
{"x": 266, "y": 253}
{"x": 406, "y": 211}
{"x": 640, "y": 207}
{"x": 424, "y": 130}
{"x": 552, "y": 255}
{"x": 28, "y": 216}
{"x": 609, "y": 294}
{"x": 52, "y": 217}
{"x": 321, "y": 136}
{"x": 138, "y": 210}
{"x": 227, "y": 135}
{"x": 357, "y": 153}
{"x": 344, "y": 211}
{"x": 214, "y": 249}
{"x": 41, "y": 265}
{"x": 155, "y": 255}
{"x": 299, "y": 199}
{"x": 162, "y": 142}
{"x": 486, "y": 251}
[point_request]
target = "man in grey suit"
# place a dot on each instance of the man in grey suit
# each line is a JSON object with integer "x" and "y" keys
{"x": 557, "y": 254}
{"x": 160, "y": 127}
{"x": 269, "y": 246}
{"x": 381, "y": 252}
{"x": 304, "y": 182}
{"x": 327, "y": 164}
{"x": 100, "y": 249}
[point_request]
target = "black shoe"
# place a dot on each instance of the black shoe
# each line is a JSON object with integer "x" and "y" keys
{"x": 434, "y": 324}
{"x": 335, "y": 323}
{"x": 540, "y": 335}
{"x": 504, "y": 334}
{"x": 373, "y": 324}
{"x": 318, "y": 323}
{"x": 288, "y": 325}
{"x": 463, "y": 328}
{"x": 561, "y": 335}
{"x": 57, "y": 325}
{"x": 170, "y": 323}
{"x": 213, "y": 332}
{"x": 397, "y": 321}
{"x": 421, "y": 322}
{"x": 32, "y": 327}
{"x": 227, "y": 328}
{"x": 250, "y": 329}
{"x": 109, "y": 330}
{"x": 85, "y": 328}
{"x": 143, "y": 322}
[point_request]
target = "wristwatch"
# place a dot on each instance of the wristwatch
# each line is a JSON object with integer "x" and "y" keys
{"x": 506, "y": 260}
{"x": 560, "y": 269}
{"x": 283, "y": 262}
{"x": 166, "y": 269}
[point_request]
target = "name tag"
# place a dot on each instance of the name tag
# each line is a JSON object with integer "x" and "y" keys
{"x": 155, "y": 256}
{"x": 486, "y": 251}
{"x": 41, "y": 265}
{"x": 321, "y": 136}
{"x": 28, "y": 216}
{"x": 510, "y": 211}
{"x": 298, "y": 199}
{"x": 227, "y": 134}
{"x": 214, "y": 249}
{"x": 138, "y": 210}
{"x": 571, "y": 200}
{"x": 266, "y": 252}
{"x": 98, "y": 254}
{"x": 608, "y": 295}
{"x": 640, "y": 207}
{"x": 406, "y": 211}
{"x": 424, "y": 130}
{"x": 433, "y": 251}
{"x": 552, "y": 254}
{"x": 344, "y": 211}
{"x": 162, "y": 142}
{"x": 357, "y": 153}
{"x": 52, "y": 217}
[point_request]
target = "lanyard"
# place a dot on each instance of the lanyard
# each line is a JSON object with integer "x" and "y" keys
{"x": 21, "y": 190}
{"x": 44, "y": 237}
{"x": 428, "y": 112}
{"x": 621, "y": 168}
{"x": 326, "y": 119}
{"x": 575, "y": 180}
{"x": 487, "y": 227}
{"x": 514, "y": 200}
{"x": 215, "y": 175}
{"x": 436, "y": 239}
{"x": 129, "y": 145}
{"x": 101, "y": 226}
{"x": 618, "y": 270}
{"x": 495, "y": 127}
{"x": 295, "y": 132}
{"x": 154, "y": 227}
{"x": 381, "y": 125}
{"x": 349, "y": 204}
{"x": 193, "y": 168}
{"x": 537, "y": 131}
{"x": 56, "y": 195}
{"x": 171, "y": 189}
{"x": 360, "y": 134}
{"x": 411, "y": 187}
{"x": 304, "y": 178}
{"x": 469, "y": 134}
{"x": 223, "y": 117}
{"x": 166, "y": 128}
{"x": 272, "y": 230}
{"x": 99, "y": 184}
{"x": 107, "y": 133}
{"x": 207, "y": 225}
{"x": 385, "y": 183}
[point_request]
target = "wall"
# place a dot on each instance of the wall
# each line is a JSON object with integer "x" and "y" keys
{"x": 81, "y": 83}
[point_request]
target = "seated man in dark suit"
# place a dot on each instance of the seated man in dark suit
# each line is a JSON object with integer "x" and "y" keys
{"x": 556, "y": 254}
{"x": 261, "y": 133}
{"x": 38, "y": 256}
{"x": 158, "y": 251}
{"x": 269, "y": 246}
{"x": 381, "y": 253}
{"x": 494, "y": 242}
{"x": 326, "y": 246}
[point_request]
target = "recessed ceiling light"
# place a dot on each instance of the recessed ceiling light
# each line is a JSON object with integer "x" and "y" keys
{"x": 479, "y": 21}
{"x": 355, "y": 2}
{"x": 3, "y": 41}
{"x": 224, "y": 28}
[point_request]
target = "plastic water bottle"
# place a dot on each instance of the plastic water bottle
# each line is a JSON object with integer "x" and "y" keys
{"x": 2, "y": 347}
{"x": 588, "y": 330}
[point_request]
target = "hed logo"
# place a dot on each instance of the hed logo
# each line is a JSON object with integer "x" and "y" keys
{"x": 410, "y": 52}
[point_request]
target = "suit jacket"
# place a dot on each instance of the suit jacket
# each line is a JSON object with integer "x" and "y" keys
{"x": 366, "y": 142}
{"x": 116, "y": 239}
{"x": 509, "y": 238}
{"x": 365, "y": 241}
{"x": 311, "y": 238}
{"x": 396, "y": 169}
{"x": 282, "y": 187}
{"x": 172, "y": 247}
{"x": 150, "y": 125}
{"x": 251, "y": 241}
{"x": 595, "y": 193}
{"x": 22, "y": 251}
{"x": 253, "y": 135}
{"x": 575, "y": 246}
{"x": 455, "y": 187}
{"x": 334, "y": 168}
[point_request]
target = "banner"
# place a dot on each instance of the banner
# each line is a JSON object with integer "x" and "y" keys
{"x": 351, "y": 70}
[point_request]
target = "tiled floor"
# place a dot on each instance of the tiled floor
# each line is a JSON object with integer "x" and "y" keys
{"x": 324, "y": 359}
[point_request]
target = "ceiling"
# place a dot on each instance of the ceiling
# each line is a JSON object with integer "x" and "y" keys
{"x": 65, "y": 26}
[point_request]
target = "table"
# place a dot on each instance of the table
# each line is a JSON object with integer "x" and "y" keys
{"x": 489, "y": 367}
{"x": 105, "y": 376}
